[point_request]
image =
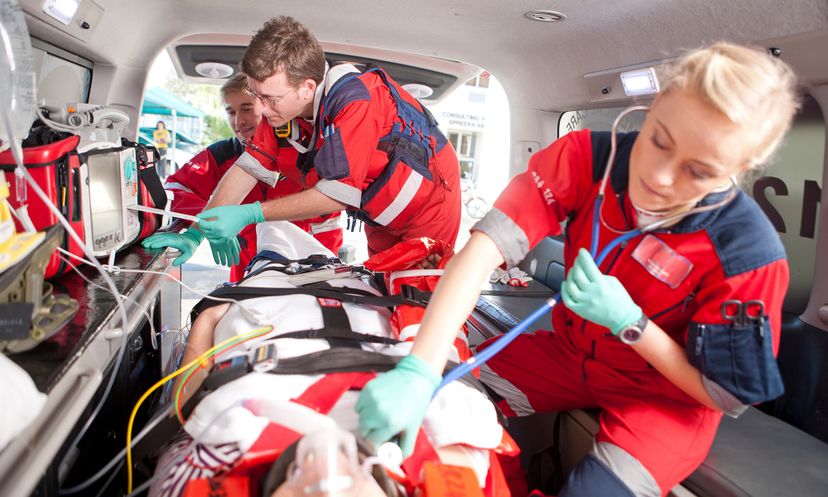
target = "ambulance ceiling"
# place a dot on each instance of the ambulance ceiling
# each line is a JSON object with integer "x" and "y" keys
{"x": 541, "y": 65}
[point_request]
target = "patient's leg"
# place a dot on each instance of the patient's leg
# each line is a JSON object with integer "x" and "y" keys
{"x": 198, "y": 342}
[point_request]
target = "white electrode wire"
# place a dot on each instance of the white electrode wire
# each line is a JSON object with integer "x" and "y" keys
{"x": 117, "y": 269}
{"x": 734, "y": 188}
{"x": 109, "y": 480}
{"x": 184, "y": 453}
{"x": 130, "y": 299}
{"x": 120, "y": 456}
{"x": 17, "y": 153}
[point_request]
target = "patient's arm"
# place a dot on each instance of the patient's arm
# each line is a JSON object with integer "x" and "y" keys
{"x": 198, "y": 342}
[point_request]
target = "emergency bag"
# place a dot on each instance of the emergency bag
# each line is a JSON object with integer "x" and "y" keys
{"x": 51, "y": 158}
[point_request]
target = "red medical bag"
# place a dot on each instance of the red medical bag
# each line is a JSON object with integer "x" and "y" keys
{"x": 52, "y": 161}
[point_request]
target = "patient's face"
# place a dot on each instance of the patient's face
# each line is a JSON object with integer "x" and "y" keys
{"x": 309, "y": 478}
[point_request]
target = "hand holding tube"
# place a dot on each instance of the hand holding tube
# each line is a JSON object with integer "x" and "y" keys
{"x": 225, "y": 222}
{"x": 396, "y": 401}
{"x": 186, "y": 242}
{"x": 597, "y": 297}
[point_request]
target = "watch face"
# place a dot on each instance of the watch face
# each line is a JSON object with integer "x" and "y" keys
{"x": 630, "y": 335}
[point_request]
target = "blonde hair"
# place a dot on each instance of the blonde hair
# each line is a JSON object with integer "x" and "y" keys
{"x": 746, "y": 84}
{"x": 284, "y": 44}
{"x": 236, "y": 84}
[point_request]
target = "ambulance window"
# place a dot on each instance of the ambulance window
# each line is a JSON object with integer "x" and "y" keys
{"x": 61, "y": 76}
{"x": 475, "y": 119}
{"x": 598, "y": 120}
{"x": 788, "y": 191}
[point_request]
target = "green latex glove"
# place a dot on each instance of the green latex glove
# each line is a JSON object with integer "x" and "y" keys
{"x": 186, "y": 242}
{"x": 225, "y": 251}
{"x": 396, "y": 401}
{"x": 597, "y": 297}
{"x": 225, "y": 222}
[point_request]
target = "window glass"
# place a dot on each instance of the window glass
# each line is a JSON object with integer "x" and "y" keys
{"x": 788, "y": 191}
{"x": 475, "y": 119}
{"x": 598, "y": 120}
{"x": 58, "y": 79}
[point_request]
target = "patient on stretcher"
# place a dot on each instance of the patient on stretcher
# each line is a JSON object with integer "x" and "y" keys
{"x": 276, "y": 416}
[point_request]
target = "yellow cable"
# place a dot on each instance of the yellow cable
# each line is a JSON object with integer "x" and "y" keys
{"x": 194, "y": 362}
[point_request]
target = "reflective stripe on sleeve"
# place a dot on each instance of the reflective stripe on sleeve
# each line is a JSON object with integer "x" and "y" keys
{"x": 254, "y": 168}
{"x": 403, "y": 198}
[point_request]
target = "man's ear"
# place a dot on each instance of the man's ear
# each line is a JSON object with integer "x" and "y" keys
{"x": 307, "y": 90}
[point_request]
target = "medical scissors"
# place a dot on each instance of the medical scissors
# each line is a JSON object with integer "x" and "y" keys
{"x": 742, "y": 314}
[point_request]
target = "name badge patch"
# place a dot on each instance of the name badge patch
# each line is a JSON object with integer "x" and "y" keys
{"x": 661, "y": 261}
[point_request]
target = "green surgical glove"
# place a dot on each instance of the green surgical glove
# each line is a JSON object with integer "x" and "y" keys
{"x": 225, "y": 222}
{"x": 186, "y": 242}
{"x": 396, "y": 401}
{"x": 225, "y": 251}
{"x": 597, "y": 297}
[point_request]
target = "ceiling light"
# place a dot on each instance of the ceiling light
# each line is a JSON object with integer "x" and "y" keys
{"x": 61, "y": 10}
{"x": 214, "y": 70}
{"x": 417, "y": 90}
{"x": 544, "y": 16}
{"x": 640, "y": 82}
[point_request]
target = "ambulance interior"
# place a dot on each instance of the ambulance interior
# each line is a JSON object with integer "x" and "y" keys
{"x": 559, "y": 65}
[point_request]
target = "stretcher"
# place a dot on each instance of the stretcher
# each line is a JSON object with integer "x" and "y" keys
{"x": 298, "y": 360}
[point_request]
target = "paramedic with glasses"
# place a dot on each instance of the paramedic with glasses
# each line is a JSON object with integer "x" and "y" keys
{"x": 644, "y": 335}
{"x": 365, "y": 145}
{"x": 193, "y": 184}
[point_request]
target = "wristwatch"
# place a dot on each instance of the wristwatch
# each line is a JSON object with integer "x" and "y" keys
{"x": 632, "y": 333}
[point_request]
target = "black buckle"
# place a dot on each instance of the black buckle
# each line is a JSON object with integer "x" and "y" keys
{"x": 319, "y": 260}
{"x": 414, "y": 296}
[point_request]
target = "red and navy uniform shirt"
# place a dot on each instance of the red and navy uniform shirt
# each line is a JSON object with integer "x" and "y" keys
{"x": 350, "y": 165}
{"x": 680, "y": 276}
{"x": 193, "y": 184}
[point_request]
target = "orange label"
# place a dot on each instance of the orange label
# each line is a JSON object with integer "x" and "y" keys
{"x": 443, "y": 480}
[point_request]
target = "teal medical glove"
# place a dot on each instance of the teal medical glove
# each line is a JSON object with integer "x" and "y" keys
{"x": 396, "y": 401}
{"x": 225, "y": 251}
{"x": 597, "y": 297}
{"x": 186, "y": 242}
{"x": 225, "y": 222}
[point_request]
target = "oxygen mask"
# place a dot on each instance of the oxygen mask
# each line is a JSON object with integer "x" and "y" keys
{"x": 327, "y": 465}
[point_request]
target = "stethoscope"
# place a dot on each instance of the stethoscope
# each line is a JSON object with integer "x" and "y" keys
{"x": 623, "y": 236}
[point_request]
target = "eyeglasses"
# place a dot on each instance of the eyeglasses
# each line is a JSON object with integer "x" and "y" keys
{"x": 271, "y": 101}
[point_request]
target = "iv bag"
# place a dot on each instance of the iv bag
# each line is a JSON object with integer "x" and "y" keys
{"x": 17, "y": 76}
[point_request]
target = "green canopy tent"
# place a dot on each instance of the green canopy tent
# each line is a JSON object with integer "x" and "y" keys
{"x": 160, "y": 101}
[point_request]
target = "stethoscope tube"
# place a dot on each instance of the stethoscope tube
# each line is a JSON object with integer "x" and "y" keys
{"x": 479, "y": 359}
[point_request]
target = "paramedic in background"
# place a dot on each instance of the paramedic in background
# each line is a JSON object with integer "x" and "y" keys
{"x": 644, "y": 335}
{"x": 402, "y": 182}
{"x": 161, "y": 139}
{"x": 193, "y": 184}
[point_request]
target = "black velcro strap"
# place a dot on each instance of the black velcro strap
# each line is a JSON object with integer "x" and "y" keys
{"x": 349, "y": 295}
{"x": 336, "y": 361}
{"x": 328, "y": 333}
{"x": 149, "y": 177}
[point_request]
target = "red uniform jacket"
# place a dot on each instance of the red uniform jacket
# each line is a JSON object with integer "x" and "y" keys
{"x": 361, "y": 157}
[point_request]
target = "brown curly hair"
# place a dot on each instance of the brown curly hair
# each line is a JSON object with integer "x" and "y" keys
{"x": 284, "y": 44}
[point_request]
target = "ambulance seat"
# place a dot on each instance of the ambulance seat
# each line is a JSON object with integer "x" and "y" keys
{"x": 545, "y": 262}
{"x": 756, "y": 455}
